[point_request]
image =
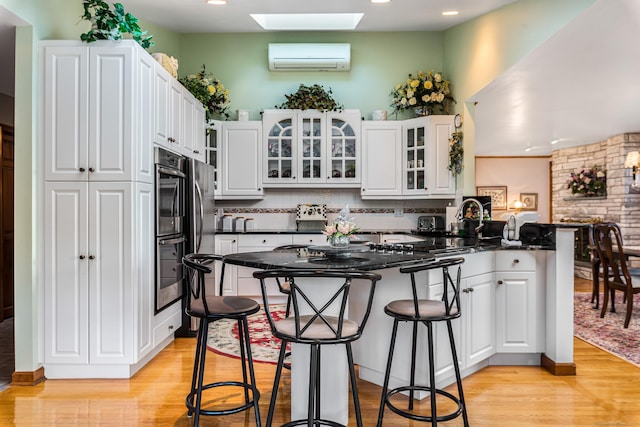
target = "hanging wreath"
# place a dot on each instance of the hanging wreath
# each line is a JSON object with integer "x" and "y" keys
{"x": 456, "y": 153}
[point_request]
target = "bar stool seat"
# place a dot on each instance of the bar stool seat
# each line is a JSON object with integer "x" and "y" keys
{"x": 427, "y": 312}
{"x": 209, "y": 309}
{"x": 322, "y": 321}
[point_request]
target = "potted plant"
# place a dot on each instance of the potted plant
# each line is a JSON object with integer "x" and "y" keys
{"x": 311, "y": 98}
{"x": 107, "y": 24}
{"x": 423, "y": 93}
{"x": 209, "y": 91}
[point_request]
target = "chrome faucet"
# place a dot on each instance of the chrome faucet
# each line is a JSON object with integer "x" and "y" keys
{"x": 460, "y": 214}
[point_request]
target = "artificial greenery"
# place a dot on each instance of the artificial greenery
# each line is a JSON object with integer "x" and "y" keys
{"x": 456, "y": 153}
{"x": 311, "y": 98}
{"x": 209, "y": 91}
{"x": 110, "y": 24}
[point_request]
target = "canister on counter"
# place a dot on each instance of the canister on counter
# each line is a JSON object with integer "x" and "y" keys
{"x": 227, "y": 222}
{"x": 239, "y": 228}
{"x": 248, "y": 224}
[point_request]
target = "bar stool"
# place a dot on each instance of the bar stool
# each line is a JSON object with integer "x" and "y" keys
{"x": 320, "y": 321}
{"x": 427, "y": 312}
{"x": 209, "y": 309}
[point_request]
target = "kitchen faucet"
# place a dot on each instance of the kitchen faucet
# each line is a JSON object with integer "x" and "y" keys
{"x": 459, "y": 213}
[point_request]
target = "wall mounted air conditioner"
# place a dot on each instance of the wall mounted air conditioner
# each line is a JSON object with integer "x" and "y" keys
{"x": 309, "y": 56}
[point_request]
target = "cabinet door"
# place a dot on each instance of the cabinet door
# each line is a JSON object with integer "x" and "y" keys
{"x": 200, "y": 130}
{"x": 111, "y": 113}
{"x": 242, "y": 161}
{"x": 214, "y": 158}
{"x": 439, "y": 132}
{"x": 414, "y": 157}
{"x": 478, "y": 312}
{"x": 343, "y": 148}
{"x": 176, "y": 141}
{"x": 144, "y": 96}
{"x": 144, "y": 270}
{"x": 280, "y": 135}
{"x": 381, "y": 160}
{"x": 66, "y": 113}
{"x": 226, "y": 244}
{"x": 311, "y": 146}
{"x": 516, "y": 312}
{"x": 188, "y": 124}
{"x": 110, "y": 282}
{"x": 66, "y": 270}
{"x": 162, "y": 83}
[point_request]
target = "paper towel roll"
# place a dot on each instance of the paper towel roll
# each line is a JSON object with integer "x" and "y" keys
{"x": 450, "y": 216}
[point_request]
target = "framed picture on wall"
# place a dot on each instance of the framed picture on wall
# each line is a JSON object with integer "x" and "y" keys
{"x": 530, "y": 201}
{"x": 498, "y": 196}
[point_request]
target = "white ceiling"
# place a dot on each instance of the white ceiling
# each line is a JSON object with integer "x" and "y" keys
{"x": 195, "y": 16}
{"x": 581, "y": 86}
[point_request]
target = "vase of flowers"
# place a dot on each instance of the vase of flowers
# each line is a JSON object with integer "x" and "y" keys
{"x": 340, "y": 232}
{"x": 425, "y": 93}
{"x": 589, "y": 182}
{"x": 209, "y": 91}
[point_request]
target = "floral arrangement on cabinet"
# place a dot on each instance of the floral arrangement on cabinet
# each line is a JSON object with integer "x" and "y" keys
{"x": 588, "y": 182}
{"x": 341, "y": 230}
{"x": 313, "y": 97}
{"x": 424, "y": 93}
{"x": 456, "y": 153}
{"x": 209, "y": 91}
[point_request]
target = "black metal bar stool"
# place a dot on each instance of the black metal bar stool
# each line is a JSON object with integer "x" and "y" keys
{"x": 209, "y": 309}
{"x": 427, "y": 312}
{"x": 317, "y": 324}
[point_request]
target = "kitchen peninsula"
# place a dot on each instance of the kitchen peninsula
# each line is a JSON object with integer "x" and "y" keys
{"x": 517, "y": 309}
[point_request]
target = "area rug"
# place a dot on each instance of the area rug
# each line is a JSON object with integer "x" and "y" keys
{"x": 608, "y": 333}
{"x": 223, "y": 336}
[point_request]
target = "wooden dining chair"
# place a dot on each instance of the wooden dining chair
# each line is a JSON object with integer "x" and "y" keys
{"x": 596, "y": 267}
{"x": 608, "y": 244}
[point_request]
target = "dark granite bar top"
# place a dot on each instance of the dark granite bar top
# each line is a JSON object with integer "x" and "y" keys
{"x": 302, "y": 259}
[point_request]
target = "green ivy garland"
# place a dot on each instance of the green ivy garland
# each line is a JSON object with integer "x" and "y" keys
{"x": 456, "y": 153}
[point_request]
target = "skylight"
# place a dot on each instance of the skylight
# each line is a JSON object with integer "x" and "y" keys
{"x": 308, "y": 21}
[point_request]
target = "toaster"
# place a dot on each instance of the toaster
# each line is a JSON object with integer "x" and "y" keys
{"x": 431, "y": 223}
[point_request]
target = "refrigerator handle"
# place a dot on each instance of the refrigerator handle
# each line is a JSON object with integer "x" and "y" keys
{"x": 201, "y": 219}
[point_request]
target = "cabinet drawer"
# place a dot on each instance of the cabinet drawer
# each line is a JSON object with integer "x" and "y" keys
{"x": 309, "y": 239}
{"x": 167, "y": 328}
{"x": 266, "y": 241}
{"x": 515, "y": 260}
{"x": 251, "y": 287}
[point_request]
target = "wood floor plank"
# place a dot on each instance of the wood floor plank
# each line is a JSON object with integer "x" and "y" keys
{"x": 605, "y": 392}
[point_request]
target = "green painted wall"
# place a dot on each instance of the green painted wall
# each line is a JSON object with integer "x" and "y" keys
{"x": 480, "y": 50}
{"x": 378, "y": 62}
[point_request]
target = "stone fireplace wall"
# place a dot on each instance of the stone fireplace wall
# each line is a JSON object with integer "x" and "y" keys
{"x": 620, "y": 204}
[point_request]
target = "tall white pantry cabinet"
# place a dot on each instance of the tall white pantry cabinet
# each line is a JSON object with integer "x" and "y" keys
{"x": 97, "y": 131}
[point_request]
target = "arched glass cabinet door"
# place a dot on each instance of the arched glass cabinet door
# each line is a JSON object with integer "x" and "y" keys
{"x": 344, "y": 149}
{"x": 280, "y": 152}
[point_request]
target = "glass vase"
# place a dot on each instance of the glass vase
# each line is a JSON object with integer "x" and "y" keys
{"x": 339, "y": 241}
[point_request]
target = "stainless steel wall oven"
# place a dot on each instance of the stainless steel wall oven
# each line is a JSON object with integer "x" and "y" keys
{"x": 171, "y": 203}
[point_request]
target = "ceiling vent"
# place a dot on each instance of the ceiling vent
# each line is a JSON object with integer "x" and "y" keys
{"x": 309, "y": 56}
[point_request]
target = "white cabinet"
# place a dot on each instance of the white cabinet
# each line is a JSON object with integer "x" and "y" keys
{"x": 399, "y": 238}
{"x": 226, "y": 244}
{"x": 425, "y": 157}
{"x": 310, "y": 147}
{"x": 240, "y": 160}
{"x": 96, "y": 110}
{"x": 518, "y": 300}
{"x": 193, "y": 127}
{"x": 381, "y": 159}
{"x": 98, "y": 127}
{"x": 99, "y": 274}
{"x": 247, "y": 285}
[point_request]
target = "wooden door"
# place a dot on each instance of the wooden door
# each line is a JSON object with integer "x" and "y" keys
{"x": 6, "y": 222}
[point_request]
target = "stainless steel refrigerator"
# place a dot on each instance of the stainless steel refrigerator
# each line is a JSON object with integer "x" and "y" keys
{"x": 201, "y": 228}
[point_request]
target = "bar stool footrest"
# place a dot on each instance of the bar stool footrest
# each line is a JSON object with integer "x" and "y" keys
{"x": 212, "y": 412}
{"x": 417, "y": 417}
{"x": 304, "y": 422}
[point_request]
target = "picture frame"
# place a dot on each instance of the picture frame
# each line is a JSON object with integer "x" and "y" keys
{"x": 530, "y": 201}
{"x": 498, "y": 196}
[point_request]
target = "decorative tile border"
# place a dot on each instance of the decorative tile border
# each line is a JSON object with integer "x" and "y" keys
{"x": 333, "y": 210}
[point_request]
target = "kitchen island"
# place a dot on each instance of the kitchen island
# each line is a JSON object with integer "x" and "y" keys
{"x": 517, "y": 308}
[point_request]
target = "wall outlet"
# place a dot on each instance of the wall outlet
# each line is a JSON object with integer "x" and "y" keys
{"x": 398, "y": 212}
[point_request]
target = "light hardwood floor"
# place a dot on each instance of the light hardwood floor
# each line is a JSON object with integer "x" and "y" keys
{"x": 605, "y": 392}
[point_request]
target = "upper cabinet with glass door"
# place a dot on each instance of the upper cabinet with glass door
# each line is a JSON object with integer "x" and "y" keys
{"x": 311, "y": 147}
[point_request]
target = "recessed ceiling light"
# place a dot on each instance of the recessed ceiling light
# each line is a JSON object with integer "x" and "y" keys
{"x": 217, "y": 2}
{"x": 450, "y": 13}
{"x": 380, "y": 1}
{"x": 308, "y": 21}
